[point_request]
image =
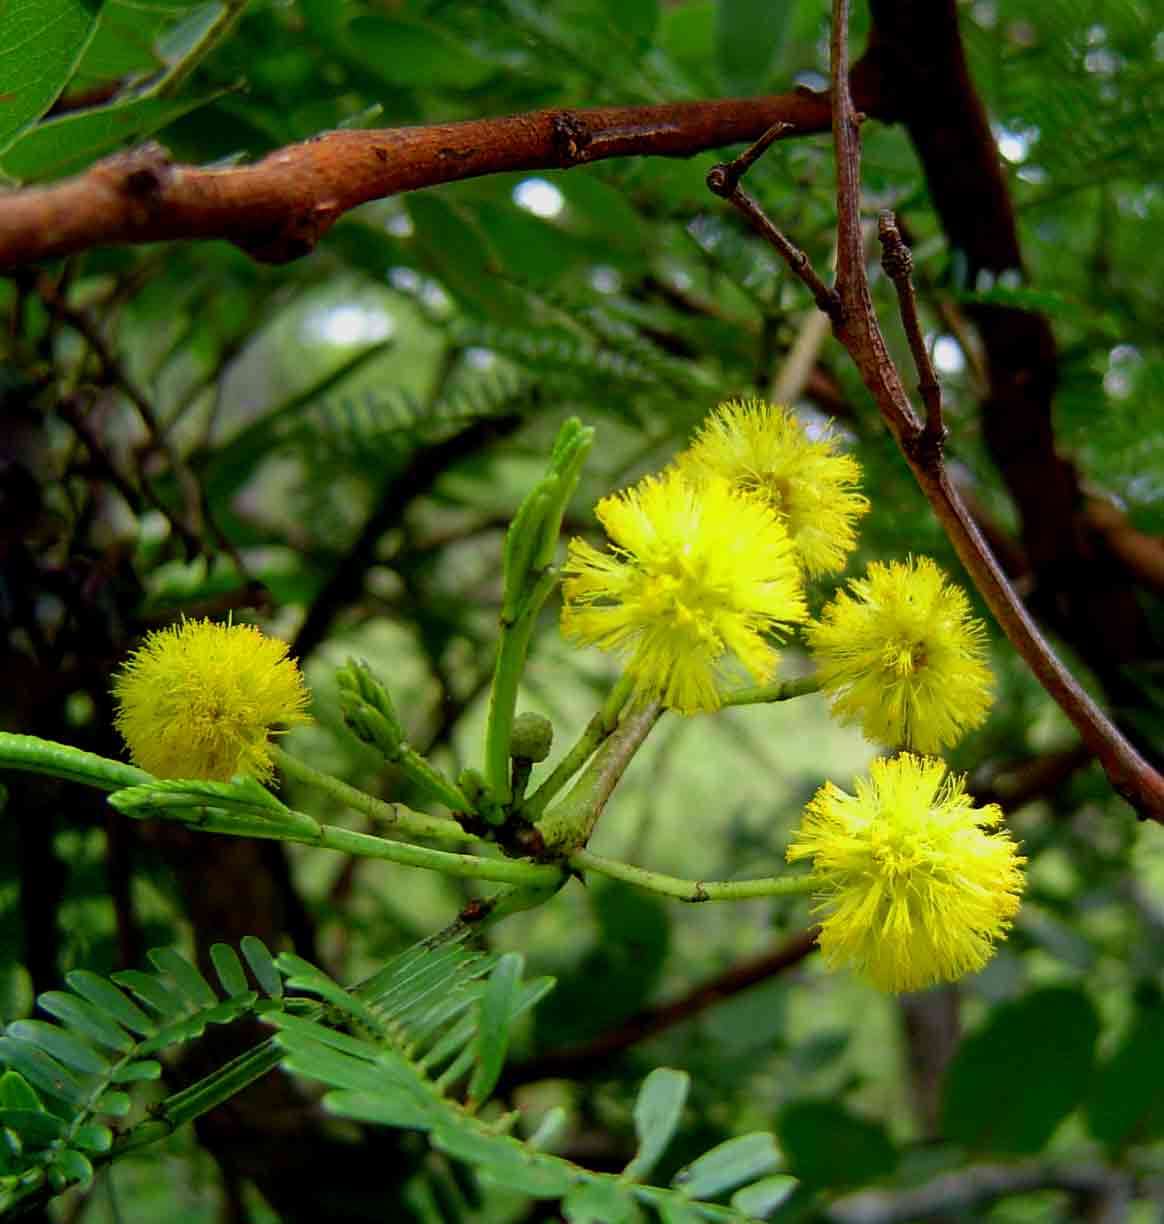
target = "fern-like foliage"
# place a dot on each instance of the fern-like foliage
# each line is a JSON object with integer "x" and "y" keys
{"x": 419, "y": 1046}
{"x": 67, "y": 1080}
{"x": 423, "y": 1048}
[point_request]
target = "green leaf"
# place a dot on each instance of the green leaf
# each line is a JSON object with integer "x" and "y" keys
{"x": 1009, "y": 1085}
{"x": 231, "y": 973}
{"x": 409, "y": 54}
{"x": 61, "y": 1044}
{"x": 17, "y": 1093}
{"x": 71, "y": 142}
{"x": 36, "y": 1127}
{"x": 114, "y": 1103}
{"x": 71, "y": 1167}
{"x": 262, "y": 965}
{"x": 657, "y": 1111}
{"x": 748, "y": 36}
{"x": 85, "y": 1018}
{"x": 380, "y": 1106}
{"x": 494, "y": 1019}
{"x": 728, "y": 1165}
{"x": 42, "y": 1071}
{"x": 505, "y": 1162}
{"x": 1126, "y": 1101}
{"x": 93, "y": 1138}
{"x": 763, "y": 1197}
{"x": 186, "y": 977}
{"x": 109, "y": 999}
{"x": 827, "y": 1145}
{"x": 136, "y": 1072}
{"x": 601, "y": 1202}
{"x": 151, "y": 991}
{"x": 41, "y": 43}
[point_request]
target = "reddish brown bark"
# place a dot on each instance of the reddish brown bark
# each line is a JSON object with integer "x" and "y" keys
{"x": 279, "y": 208}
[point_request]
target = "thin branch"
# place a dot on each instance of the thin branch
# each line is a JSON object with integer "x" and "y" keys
{"x": 573, "y": 1062}
{"x": 856, "y": 327}
{"x": 692, "y": 891}
{"x": 897, "y": 262}
{"x": 279, "y": 208}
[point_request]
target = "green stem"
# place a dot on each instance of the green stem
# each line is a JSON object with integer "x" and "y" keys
{"x": 600, "y": 727}
{"x": 511, "y": 652}
{"x": 394, "y": 816}
{"x": 783, "y": 690}
{"x": 569, "y": 825}
{"x": 467, "y": 866}
{"x": 692, "y": 890}
{"x": 34, "y": 755}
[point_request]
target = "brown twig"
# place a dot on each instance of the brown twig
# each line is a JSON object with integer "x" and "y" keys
{"x": 856, "y": 327}
{"x": 594, "y": 1056}
{"x": 279, "y": 208}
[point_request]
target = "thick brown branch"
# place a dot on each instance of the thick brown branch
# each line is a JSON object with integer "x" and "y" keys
{"x": 280, "y": 207}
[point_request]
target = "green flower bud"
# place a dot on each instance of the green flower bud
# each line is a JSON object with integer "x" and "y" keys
{"x": 531, "y": 738}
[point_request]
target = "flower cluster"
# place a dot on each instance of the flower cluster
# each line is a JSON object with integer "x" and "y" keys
{"x": 915, "y": 884}
{"x": 709, "y": 558}
{"x": 900, "y": 655}
{"x": 696, "y": 572}
{"x": 809, "y": 483}
{"x": 200, "y": 700}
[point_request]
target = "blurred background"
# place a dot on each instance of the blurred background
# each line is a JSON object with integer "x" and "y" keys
{"x": 334, "y": 446}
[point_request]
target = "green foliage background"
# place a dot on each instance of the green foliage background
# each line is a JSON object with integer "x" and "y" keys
{"x": 300, "y": 397}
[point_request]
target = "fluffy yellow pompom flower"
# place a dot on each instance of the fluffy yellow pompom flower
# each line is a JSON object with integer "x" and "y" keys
{"x": 696, "y": 574}
{"x": 902, "y": 657}
{"x": 199, "y": 700}
{"x": 809, "y": 483}
{"x": 915, "y": 883}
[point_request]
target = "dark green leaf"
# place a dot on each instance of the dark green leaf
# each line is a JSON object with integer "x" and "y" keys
{"x": 748, "y": 36}
{"x": 262, "y": 965}
{"x": 407, "y": 53}
{"x": 827, "y": 1145}
{"x": 229, "y": 968}
{"x": 36, "y": 1127}
{"x": 1010, "y": 1084}
{"x": 1126, "y": 1101}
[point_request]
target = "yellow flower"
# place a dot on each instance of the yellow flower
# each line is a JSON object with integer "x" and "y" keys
{"x": 915, "y": 883}
{"x": 696, "y": 574}
{"x": 810, "y": 484}
{"x": 199, "y": 700}
{"x": 902, "y": 657}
